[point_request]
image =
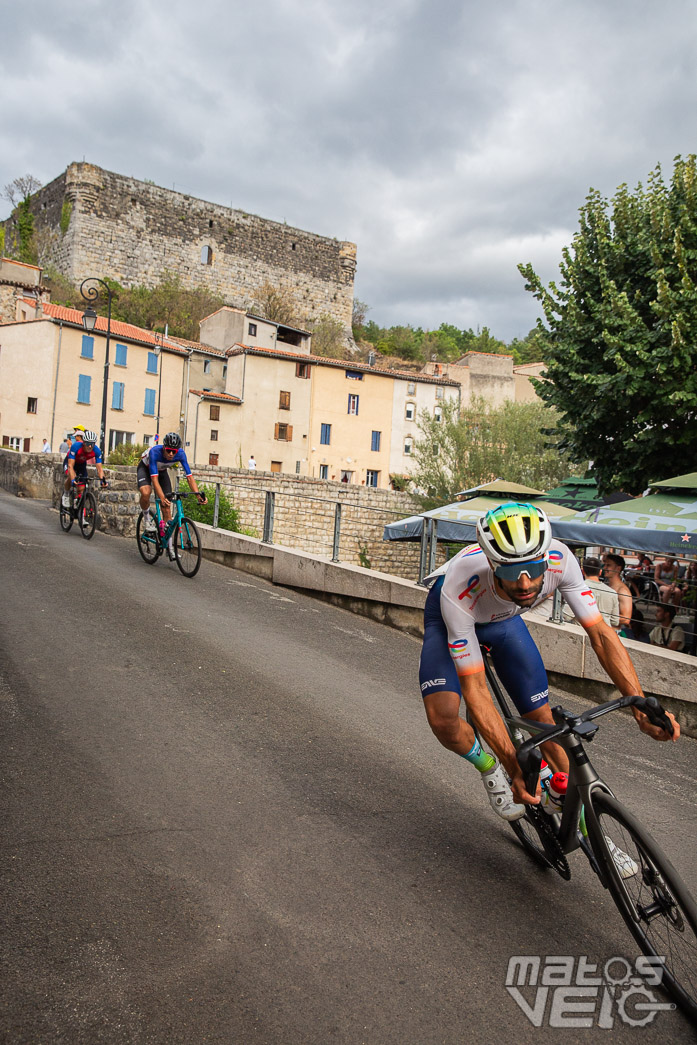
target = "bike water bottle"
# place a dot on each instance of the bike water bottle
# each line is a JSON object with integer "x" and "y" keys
{"x": 553, "y": 794}
{"x": 545, "y": 775}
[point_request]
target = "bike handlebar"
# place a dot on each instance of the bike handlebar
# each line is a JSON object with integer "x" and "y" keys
{"x": 529, "y": 755}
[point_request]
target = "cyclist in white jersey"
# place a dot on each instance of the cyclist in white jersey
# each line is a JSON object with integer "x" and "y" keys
{"x": 478, "y": 596}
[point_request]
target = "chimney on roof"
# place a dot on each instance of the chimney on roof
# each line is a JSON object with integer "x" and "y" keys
{"x": 371, "y": 358}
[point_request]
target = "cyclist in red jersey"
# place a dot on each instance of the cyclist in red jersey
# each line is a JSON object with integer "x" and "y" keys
{"x": 81, "y": 452}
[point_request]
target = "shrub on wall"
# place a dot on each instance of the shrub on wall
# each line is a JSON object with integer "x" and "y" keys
{"x": 228, "y": 514}
{"x": 127, "y": 453}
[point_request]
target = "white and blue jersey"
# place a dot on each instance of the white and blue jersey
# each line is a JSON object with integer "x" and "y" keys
{"x": 464, "y": 609}
{"x": 156, "y": 462}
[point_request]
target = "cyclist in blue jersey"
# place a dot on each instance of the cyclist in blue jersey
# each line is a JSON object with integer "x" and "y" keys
{"x": 478, "y": 596}
{"x": 82, "y": 452}
{"x": 153, "y": 473}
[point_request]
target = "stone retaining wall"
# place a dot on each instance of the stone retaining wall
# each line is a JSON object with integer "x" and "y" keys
{"x": 29, "y": 475}
{"x": 303, "y": 518}
{"x": 304, "y": 510}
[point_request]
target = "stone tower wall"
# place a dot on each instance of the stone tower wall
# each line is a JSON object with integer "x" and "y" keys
{"x": 103, "y": 224}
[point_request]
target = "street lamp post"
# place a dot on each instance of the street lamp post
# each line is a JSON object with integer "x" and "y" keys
{"x": 89, "y": 321}
{"x": 160, "y": 358}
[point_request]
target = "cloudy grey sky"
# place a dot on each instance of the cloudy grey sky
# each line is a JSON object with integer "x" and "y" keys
{"x": 450, "y": 141}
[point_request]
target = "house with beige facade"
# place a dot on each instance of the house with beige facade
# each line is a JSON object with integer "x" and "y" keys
{"x": 52, "y": 376}
{"x": 267, "y": 396}
{"x": 309, "y": 415}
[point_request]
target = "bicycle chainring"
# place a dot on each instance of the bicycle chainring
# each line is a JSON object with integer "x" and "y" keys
{"x": 552, "y": 850}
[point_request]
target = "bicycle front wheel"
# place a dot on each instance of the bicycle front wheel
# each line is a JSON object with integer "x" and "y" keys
{"x": 649, "y": 893}
{"x": 66, "y": 517}
{"x": 187, "y": 547}
{"x": 148, "y": 544}
{"x": 87, "y": 515}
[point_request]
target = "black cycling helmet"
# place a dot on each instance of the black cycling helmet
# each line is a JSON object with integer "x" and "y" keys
{"x": 172, "y": 440}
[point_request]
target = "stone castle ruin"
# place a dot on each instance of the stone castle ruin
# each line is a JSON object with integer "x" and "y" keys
{"x": 97, "y": 223}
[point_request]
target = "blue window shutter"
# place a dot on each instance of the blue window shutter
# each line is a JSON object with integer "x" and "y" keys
{"x": 84, "y": 383}
{"x": 375, "y": 441}
{"x": 87, "y": 346}
{"x": 149, "y": 407}
{"x": 325, "y": 434}
{"x": 152, "y": 362}
{"x": 121, "y": 355}
{"x": 117, "y": 396}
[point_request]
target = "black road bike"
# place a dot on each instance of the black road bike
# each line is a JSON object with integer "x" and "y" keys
{"x": 656, "y": 905}
{"x": 83, "y": 507}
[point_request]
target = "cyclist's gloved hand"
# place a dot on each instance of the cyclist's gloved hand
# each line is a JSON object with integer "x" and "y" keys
{"x": 104, "y": 482}
{"x": 202, "y": 499}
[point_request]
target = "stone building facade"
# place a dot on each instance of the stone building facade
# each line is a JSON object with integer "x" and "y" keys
{"x": 96, "y": 222}
{"x": 21, "y": 291}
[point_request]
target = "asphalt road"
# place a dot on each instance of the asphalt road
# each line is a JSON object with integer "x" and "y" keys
{"x": 225, "y": 820}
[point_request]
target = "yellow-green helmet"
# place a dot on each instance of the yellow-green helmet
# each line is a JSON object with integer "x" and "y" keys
{"x": 514, "y": 532}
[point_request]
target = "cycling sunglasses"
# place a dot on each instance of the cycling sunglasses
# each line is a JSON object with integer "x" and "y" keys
{"x": 511, "y": 571}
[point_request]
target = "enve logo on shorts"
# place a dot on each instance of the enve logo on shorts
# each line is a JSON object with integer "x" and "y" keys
{"x": 432, "y": 682}
{"x": 536, "y": 697}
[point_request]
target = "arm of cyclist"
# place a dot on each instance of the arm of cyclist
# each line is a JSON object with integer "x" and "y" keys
{"x": 618, "y": 665}
{"x": 193, "y": 486}
{"x": 491, "y": 728}
{"x": 98, "y": 459}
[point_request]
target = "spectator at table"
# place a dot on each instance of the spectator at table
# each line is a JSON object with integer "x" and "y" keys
{"x": 613, "y": 566}
{"x": 666, "y": 633}
{"x": 665, "y": 575}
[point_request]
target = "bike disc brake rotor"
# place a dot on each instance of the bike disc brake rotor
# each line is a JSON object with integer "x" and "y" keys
{"x": 550, "y": 844}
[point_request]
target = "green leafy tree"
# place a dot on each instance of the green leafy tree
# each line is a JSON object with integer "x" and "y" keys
{"x": 275, "y": 303}
{"x": 621, "y": 364}
{"x": 484, "y": 341}
{"x": 359, "y": 313}
{"x": 19, "y": 193}
{"x": 533, "y": 348}
{"x": 169, "y": 302}
{"x": 442, "y": 343}
{"x": 516, "y": 441}
{"x": 328, "y": 337}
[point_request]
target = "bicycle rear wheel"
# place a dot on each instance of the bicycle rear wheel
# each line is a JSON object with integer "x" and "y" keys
{"x": 653, "y": 900}
{"x": 87, "y": 515}
{"x": 66, "y": 517}
{"x": 187, "y": 547}
{"x": 148, "y": 544}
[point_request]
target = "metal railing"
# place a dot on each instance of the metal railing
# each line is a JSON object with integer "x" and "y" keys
{"x": 333, "y": 528}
